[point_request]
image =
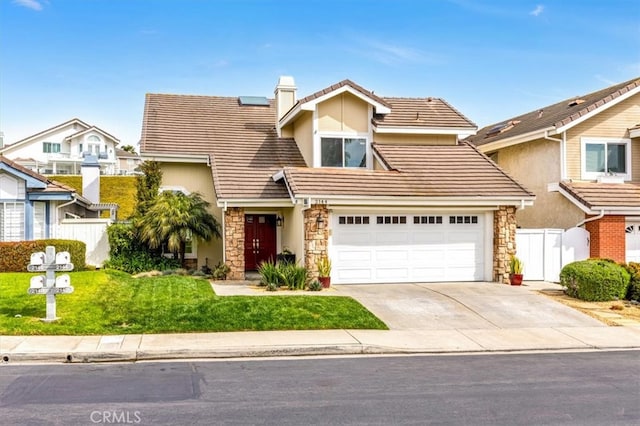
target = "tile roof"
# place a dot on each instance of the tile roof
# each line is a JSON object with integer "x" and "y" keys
{"x": 603, "y": 195}
{"x": 72, "y": 121}
{"x": 556, "y": 115}
{"x": 337, "y": 86}
{"x": 422, "y": 112}
{"x": 241, "y": 141}
{"x": 418, "y": 171}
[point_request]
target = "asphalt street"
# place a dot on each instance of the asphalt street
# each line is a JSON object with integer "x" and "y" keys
{"x": 582, "y": 388}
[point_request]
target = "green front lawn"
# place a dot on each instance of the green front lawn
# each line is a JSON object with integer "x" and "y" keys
{"x": 111, "y": 302}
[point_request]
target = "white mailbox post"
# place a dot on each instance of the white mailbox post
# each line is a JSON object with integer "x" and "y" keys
{"x": 50, "y": 262}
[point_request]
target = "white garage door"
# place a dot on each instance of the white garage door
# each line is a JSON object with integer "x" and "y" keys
{"x": 633, "y": 241}
{"x": 394, "y": 248}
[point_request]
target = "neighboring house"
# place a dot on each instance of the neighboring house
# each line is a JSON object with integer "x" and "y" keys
{"x": 581, "y": 157}
{"x": 62, "y": 148}
{"x": 382, "y": 186}
{"x": 128, "y": 162}
{"x": 33, "y": 207}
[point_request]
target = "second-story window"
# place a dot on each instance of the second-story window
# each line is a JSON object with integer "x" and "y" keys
{"x": 50, "y": 147}
{"x": 343, "y": 152}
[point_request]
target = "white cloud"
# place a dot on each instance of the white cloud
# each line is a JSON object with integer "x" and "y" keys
{"x": 537, "y": 11}
{"x": 605, "y": 80}
{"x": 29, "y": 4}
{"x": 390, "y": 54}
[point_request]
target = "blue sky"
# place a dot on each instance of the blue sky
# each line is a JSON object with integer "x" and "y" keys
{"x": 96, "y": 59}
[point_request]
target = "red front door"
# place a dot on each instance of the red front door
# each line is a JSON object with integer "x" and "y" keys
{"x": 259, "y": 239}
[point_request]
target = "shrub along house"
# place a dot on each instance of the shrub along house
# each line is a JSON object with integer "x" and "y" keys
{"x": 382, "y": 186}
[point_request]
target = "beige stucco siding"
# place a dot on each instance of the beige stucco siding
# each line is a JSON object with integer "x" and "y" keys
{"x": 536, "y": 164}
{"x": 343, "y": 113}
{"x": 200, "y": 180}
{"x": 610, "y": 123}
{"x": 303, "y": 134}
{"x": 292, "y": 236}
{"x": 401, "y": 139}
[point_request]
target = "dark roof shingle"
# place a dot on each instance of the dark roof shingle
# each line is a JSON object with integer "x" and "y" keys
{"x": 556, "y": 115}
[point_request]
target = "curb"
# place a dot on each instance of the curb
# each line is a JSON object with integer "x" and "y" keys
{"x": 265, "y": 352}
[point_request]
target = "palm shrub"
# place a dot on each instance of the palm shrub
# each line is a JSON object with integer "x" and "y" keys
{"x": 174, "y": 218}
{"x": 595, "y": 280}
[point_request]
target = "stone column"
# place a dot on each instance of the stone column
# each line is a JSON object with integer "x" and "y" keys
{"x": 504, "y": 242}
{"x": 234, "y": 242}
{"x": 316, "y": 236}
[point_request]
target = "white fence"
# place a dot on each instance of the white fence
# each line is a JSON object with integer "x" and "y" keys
{"x": 545, "y": 251}
{"x": 93, "y": 232}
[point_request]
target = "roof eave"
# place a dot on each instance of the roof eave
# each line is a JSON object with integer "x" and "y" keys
{"x": 254, "y": 202}
{"x": 311, "y": 104}
{"x": 175, "y": 158}
{"x": 563, "y": 128}
{"x": 515, "y": 140}
{"x": 447, "y": 201}
{"x": 410, "y": 130}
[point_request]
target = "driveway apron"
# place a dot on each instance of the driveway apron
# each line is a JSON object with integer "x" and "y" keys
{"x": 464, "y": 305}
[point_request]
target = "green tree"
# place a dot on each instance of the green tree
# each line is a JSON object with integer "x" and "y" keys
{"x": 147, "y": 186}
{"x": 129, "y": 148}
{"x": 175, "y": 218}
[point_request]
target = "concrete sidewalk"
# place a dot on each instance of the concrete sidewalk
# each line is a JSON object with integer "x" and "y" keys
{"x": 15, "y": 349}
{"x": 490, "y": 328}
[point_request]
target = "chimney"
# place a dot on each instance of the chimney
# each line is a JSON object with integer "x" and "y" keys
{"x": 90, "y": 170}
{"x": 285, "y": 96}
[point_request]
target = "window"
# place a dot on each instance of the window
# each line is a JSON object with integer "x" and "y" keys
{"x": 427, "y": 220}
{"x": 391, "y": 220}
{"x": 604, "y": 155}
{"x": 12, "y": 221}
{"x": 353, "y": 220}
{"x": 343, "y": 152}
{"x": 50, "y": 147}
{"x": 463, "y": 220}
{"x": 39, "y": 220}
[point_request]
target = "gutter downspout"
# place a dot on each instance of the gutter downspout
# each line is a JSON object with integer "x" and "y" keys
{"x": 591, "y": 219}
{"x": 73, "y": 200}
{"x": 563, "y": 148}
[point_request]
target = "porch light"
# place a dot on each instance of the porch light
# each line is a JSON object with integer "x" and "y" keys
{"x": 319, "y": 219}
{"x": 279, "y": 221}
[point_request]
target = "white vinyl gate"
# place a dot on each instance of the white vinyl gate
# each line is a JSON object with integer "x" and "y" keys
{"x": 545, "y": 251}
{"x": 93, "y": 232}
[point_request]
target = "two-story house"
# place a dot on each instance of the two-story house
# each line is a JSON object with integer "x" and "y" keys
{"x": 382, "y": 186}
{"x": 62, "y": 148}
{"x": 581, "y": 157}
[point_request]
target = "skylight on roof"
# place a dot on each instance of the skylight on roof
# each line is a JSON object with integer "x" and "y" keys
{"x": 500, "y": 128}
{"x": 253, "y": 101}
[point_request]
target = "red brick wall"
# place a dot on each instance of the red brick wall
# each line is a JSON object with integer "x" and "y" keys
{"x": 608, "y": 238}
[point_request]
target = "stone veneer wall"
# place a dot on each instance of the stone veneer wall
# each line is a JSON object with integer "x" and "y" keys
{"x": 504, "y": 242}
{"x": 234, "y": 242}
{"x": 316, "y": 236}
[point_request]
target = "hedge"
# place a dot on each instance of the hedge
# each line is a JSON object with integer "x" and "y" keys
{"x": 595, "y": 280}
{"x": 633, "y": 292}
{"x": 15, "y": 256}
{"x": 113, "y": 189}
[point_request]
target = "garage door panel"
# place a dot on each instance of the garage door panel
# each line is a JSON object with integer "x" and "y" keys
{"x": 384, "y": 238}
{"x": 423, "y": 248}
{"x": 392, "y": 255}
{"x": 392, "y": 274}
{"x": 428, "y": 237}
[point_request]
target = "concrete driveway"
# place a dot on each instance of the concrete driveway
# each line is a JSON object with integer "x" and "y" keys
{"x": 468, "y": 305}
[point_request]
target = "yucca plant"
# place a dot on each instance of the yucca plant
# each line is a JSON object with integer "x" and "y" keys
{"x": 269, "y": 273}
